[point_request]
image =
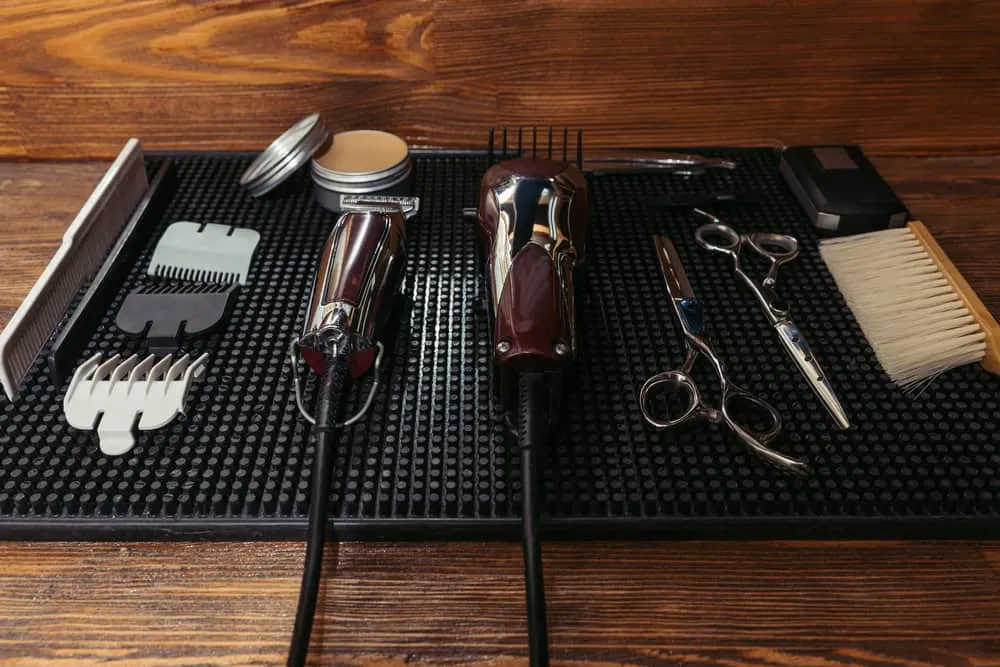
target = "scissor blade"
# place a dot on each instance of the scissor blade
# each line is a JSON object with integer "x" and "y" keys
{"x": 672, "y": 269}
{"x": 681, "y": 295}
{"x": 798, "y": 349}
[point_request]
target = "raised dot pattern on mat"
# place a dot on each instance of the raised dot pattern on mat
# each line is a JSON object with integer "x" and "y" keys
{"x": 434, "y": 445}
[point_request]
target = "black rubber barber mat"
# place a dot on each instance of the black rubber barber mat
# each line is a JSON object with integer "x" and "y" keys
{"x": 433, "y": 459}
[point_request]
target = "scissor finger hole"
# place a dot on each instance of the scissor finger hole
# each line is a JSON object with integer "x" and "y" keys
{"x": 668, "y": 399}
{"x": 753, "y": 415}
{"x": 717, "y": 237}
{"x": 778, "y": 246}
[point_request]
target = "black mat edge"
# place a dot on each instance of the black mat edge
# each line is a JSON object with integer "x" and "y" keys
{"x": 569, "y": 530}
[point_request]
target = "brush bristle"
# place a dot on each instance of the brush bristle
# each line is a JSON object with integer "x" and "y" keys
{"x": 916, "y": 323}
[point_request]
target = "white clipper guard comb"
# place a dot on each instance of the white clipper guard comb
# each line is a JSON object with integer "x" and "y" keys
{"x": 110, "y": 395}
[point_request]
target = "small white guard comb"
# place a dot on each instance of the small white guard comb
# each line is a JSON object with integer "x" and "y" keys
{"x": 111, "y": 394}
{"x": 206, "y": 253}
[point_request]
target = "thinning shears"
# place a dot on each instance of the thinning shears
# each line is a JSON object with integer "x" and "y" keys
{"x": 778, "y": 249}
{"x": 678, "y": 385}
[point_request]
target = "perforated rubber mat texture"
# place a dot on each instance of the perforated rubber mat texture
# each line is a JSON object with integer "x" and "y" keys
{"x": 433, "y": 458}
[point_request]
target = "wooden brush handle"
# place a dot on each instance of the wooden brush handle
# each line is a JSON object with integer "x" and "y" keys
{"x": 988, "y": 323}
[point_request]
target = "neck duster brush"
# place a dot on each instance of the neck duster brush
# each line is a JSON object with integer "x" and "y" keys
{"x": 917, "y": 311}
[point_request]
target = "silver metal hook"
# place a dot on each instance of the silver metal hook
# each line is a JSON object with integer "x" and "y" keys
{"x": 371, "y": 392}
{"x": 293, "y": 361}
{"x": 297, "y": 382}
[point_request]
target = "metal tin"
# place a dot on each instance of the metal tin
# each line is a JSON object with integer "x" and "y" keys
{"x": 286, "y": 155}
{"x": 360, "y": 178}
{"x": 330, "y": 192}
{"x": 385, "y": 171}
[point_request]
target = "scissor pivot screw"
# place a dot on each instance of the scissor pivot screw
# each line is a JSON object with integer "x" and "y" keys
{"x": 503, "y": 347}
{"x": 562, "y": 349}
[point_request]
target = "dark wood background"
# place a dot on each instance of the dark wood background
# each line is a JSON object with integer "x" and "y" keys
{"x": 77, "y": 77}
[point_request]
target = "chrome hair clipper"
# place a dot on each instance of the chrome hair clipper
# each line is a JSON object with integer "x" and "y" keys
{"x": 531, "y": 227}
{"x": 359, "y": 270}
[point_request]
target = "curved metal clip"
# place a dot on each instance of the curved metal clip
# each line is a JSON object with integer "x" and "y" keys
{"x": 297, "y": 382}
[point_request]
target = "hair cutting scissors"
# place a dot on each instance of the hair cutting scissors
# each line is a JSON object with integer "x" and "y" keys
{"x": 678, "y": 384}
{"x": 778, "y": 249}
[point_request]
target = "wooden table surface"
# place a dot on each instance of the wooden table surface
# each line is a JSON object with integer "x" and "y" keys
{"x": 645, "y": 603}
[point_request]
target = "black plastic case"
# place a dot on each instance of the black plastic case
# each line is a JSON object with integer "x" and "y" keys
{"x": 840, "y": 190}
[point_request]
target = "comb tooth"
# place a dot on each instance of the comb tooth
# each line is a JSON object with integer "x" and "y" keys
{"x": 534, "y": 142}
{"x": 565, "y": 143}
{"x": 492, "y": 142}
{"x": 550, "y": 143}
{"x": 520, "y": 142}
{"x": 505, "y": 142}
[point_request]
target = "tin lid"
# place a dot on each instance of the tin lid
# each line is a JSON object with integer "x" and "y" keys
{"x": 359, "y": 156}
{"x": 361, "y": 187}
{"x": 285, "y": 155}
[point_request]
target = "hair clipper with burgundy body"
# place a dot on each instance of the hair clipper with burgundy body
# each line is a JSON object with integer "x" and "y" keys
{"x": 356, "y": 280}
{"x": 532, "y": 228}
{"x": 358, "y": 273}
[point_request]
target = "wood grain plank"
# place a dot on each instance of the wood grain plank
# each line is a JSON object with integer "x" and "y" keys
{"x": 610, "y": 603}
{"x": 10, "y": 138}
{"x": 39, "y": 202}
{"x": 899, "y": 76}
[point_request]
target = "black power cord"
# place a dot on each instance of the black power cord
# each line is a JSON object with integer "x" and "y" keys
{"x": 532, "y": 427}
{"x": 332, "y": 384}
